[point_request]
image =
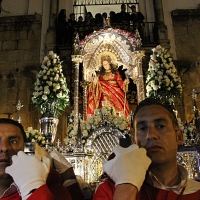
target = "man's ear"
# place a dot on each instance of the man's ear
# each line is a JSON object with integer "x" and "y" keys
{"x": 179, "y": 137}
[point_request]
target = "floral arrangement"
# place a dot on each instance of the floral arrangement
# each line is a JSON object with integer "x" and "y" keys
{"x": 51, "y": 86}
{"x": 33, "y": 135}
{"x": 101, "y": 115}
{"x": 128, "y": 35}
{"x": 71, "y": 135}
{"x": 162, "y": 78}
{"x": 189, "y": 133}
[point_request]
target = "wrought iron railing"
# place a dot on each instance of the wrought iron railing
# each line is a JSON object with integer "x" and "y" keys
{"x": 103, "y": 2}
{"x": 148, "y": 33}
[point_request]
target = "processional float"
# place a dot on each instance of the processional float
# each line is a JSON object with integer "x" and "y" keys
{"x": 124, "y": 49}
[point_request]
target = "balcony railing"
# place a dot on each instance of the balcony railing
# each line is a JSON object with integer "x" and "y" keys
{"x": 148, "y": 31}
{"x": 99, "y": 2}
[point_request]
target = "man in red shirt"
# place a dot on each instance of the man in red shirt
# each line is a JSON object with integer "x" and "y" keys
{"x": 148, "y": 170}
{"x": 30, "y": 176}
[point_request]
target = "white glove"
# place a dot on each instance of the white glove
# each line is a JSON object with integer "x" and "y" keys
{"x": 60, "y": 162}
{"x": 128, "y": 166}
{"x": 28, "y": 171}
{"x": 64, "y": 168}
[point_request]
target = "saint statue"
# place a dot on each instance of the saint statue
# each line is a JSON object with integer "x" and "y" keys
{"x": 108, "y": 89}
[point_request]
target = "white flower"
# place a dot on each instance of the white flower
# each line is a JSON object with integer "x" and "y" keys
{"x": 88, "y": 126}
{"x": 46, "y": 90}
{"x": 46, "y": 58}
{"x": 44, "y": 97}
{"x": 115, "y": 121}
{"x": 155, "y": 87}
{"x": 122, "y": 126}
{"x": 83, "y": 141}
{"x": 59, "y": 95}
{"x": 85, "y": 133}
{"x": 54, "y": 55}
{"x": 49, "y": 83}
{"x": 63, "y": 87}
{"x": 104, "y": 110}
{"x": 48, "y": 63}
{"x": 57, "y": 86}
{"x": 45, "y": 77}
{"x": 72, "y": 133}
{"x": 51, "y": 53}
{"x": 56, "y": 78}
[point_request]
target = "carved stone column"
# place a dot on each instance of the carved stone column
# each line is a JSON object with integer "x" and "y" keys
{"x": 139, "y": 78}
{"x": 84, "y": 85}
{"x": 162, "y": 28}
{"x": 51, "y": 32}
{"x": 159, "y": 11}
{"x": 76, "y": 59}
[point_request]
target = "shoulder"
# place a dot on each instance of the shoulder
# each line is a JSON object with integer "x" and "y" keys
{"x": 192, "y": 187}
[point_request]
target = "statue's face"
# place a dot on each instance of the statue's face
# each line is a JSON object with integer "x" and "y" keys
{"x": 106, "y": 65}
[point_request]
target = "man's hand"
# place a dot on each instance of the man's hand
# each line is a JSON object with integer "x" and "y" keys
{"x": 64, "y": 168}
{"x": 128, "y": 166}
{"x": 28, "y": 171}
{"x": 60, "y": 162}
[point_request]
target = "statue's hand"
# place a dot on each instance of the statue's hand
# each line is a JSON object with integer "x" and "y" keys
{"x": 95, "y": 80}
{"x": 126, "y": 82}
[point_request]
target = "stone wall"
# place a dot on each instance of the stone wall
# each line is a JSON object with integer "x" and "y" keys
{"x": 20, "y": 42}
{"x": 19, "y": 60}
{"x": 186, "y": 25}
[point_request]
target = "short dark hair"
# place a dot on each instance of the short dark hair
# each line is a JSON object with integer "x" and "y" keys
{"x": 157, "y": 101}
{"x": 133, "y": 6}
{"x": 72, "y": 14}
{"x": 15, "y": 123}
{"x": 123, "y": 4}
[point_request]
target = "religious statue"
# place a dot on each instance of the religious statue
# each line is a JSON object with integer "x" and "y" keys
{"x": 108, "y": 89}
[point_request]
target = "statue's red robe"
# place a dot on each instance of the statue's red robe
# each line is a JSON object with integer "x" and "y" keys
{"x": 110, "y": 89}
